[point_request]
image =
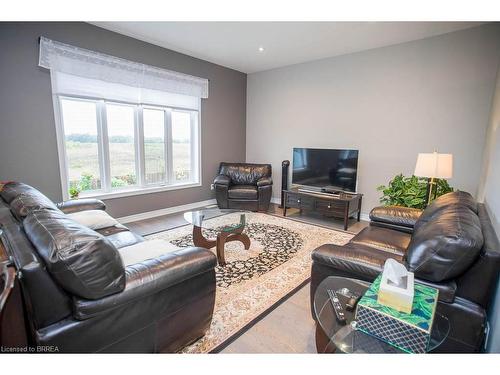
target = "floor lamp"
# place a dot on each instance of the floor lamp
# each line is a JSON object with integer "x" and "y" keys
{"x": 434, "y": 166}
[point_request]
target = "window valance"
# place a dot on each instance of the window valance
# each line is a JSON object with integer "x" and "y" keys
{"x": 80, "y": 62}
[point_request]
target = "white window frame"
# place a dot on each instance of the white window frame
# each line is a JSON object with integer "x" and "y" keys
{"x": 106, "y": 192}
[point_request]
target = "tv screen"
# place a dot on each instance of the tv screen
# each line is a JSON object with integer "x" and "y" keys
{"x": 325, "y": 168}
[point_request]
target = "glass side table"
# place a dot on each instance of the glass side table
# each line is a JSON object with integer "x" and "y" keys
{"x": 334, "y": 337}
{"x": 231, "y": 232}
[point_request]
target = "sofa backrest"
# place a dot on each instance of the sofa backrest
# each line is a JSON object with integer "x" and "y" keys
{"x": 84, "y": 262}
{"x": 447, "y": 238}
{"x": 459, "y": 198}
{"x": 479, "y": 283}
{"x": 9, "y": 190}
{"x": 24, "y": 199}
{"x": 245, "y": 173}
{"x": 45, "y": 301}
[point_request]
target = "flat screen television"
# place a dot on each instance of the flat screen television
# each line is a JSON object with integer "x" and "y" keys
{"x": 332, "y": 170}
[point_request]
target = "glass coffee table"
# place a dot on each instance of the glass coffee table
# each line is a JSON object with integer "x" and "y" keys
{"x": 331, "y": 336}
{"x": 232, "y": 231}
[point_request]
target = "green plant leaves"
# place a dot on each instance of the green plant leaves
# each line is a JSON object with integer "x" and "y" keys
{"x": 74, "y": 192}
{"x": 409, "y": 191}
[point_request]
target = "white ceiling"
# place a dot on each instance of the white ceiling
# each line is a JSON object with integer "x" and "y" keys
{"x": 236, "y": 44}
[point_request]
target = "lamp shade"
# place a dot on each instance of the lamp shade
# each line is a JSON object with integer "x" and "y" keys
{"x": 434, "y": 165}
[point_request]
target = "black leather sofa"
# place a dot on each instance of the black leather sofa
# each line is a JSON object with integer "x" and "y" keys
{"x": 451, "y": 245}
{"x": 244, "y": 186}
{"x": 78, "y": 295}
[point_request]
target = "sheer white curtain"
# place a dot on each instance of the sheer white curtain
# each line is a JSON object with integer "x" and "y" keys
{"x": 78, "y": 71}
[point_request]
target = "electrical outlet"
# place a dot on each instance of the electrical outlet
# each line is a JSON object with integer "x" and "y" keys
{"x": 212, "y": 187}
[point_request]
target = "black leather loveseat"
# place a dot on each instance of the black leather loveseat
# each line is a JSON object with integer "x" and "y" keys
{"x": 79, "y": 294}
{"x": 451, "y": 245}
{"x": 244, "y": 186}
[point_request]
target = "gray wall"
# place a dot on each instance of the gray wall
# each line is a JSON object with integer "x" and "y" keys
{"x": 490, "y": 194}
{"x": 28, "y": 150}
{"x": 390, "y": 103}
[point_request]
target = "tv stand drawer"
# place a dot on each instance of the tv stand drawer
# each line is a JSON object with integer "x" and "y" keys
{"x": 331, "y": 207}
{"x": 299, "y": 201}
{"x": 342, "y": 207}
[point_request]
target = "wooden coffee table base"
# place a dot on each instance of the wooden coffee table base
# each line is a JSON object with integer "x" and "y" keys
{"x": 222, "y": 237}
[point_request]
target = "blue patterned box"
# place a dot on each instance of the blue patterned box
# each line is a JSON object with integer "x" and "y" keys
{"x": 407, "y": 332}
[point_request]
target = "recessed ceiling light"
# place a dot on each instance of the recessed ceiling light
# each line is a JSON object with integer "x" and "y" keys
{"x": 261, "y": 49}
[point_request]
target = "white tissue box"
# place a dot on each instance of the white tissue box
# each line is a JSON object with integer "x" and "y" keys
{"x": 398, "y": 298}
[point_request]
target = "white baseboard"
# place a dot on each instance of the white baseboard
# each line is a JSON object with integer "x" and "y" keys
{"x": 364, "y": 217}
{"x": 166, "y": 211}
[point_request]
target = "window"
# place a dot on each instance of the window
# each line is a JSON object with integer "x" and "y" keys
{"x": 81, "y": 143}
{"x": 123, "y": 127}
{"x": 121, "y": 145}
{"x": 114, "y": 147}
{"x": 154, "y": 146}
{"x": 181, "y": 145}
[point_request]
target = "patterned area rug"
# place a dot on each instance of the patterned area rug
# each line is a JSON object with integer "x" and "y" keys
{"x": 253, "y": 280}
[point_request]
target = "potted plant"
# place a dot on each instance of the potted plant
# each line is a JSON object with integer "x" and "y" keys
{"x": 410, "y": 191}
{"x": 74, "y": 192}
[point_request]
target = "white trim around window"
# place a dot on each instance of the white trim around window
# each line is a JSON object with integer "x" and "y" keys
{"x": 139, "y": 184}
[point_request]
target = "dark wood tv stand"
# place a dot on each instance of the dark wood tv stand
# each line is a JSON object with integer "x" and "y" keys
{"x": 341, "y": 206}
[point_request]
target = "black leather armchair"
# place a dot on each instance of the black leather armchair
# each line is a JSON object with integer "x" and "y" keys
{"x": 244, "y": 186}
{"x": 451, "y": 246}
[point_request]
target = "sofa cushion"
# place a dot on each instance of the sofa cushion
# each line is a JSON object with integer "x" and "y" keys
{"x": 11, "y": 189}
{"x": 94, "y": 219}
{"x": 382, "y": 239}
{"x": 455, "y": 198}
{"x": 30, "y": 201}
{"x": 242, "y": 192}
{"x": 81, "y": 260}
{"x": 124, "y": 239}
{"x": 446, "y": 246}
{"x": 245, "y": 173}
{"x": 23, "y": 199}
{"x": 145, "y": 250}
{"x": 120, "y": 236}
{"x": 184, "y": 267}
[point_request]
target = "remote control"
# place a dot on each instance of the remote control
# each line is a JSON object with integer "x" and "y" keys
{"x": 337, "y": 306}
{"x": 353, "y": 298}
{"x": 347, "y": 293}
{"x": 351, "y": 304}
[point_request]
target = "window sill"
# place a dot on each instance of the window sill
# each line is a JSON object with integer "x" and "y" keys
{"x": 139, "y": 191}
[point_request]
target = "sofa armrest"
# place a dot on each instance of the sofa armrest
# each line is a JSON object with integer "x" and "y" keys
{"x": 149, "y": 277}
{"x": 222, "y": 180}
{"x": 84, "y": 204}
{"x": 356, "y": 261}
{"x": 264, "y": 181}
{"x": 395, "y": 215}
{"x": 365, "y": 263}
{"x": 447, "y": 289}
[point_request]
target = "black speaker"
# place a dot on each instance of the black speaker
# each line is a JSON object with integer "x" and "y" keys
{"x": 284, "y": 180}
